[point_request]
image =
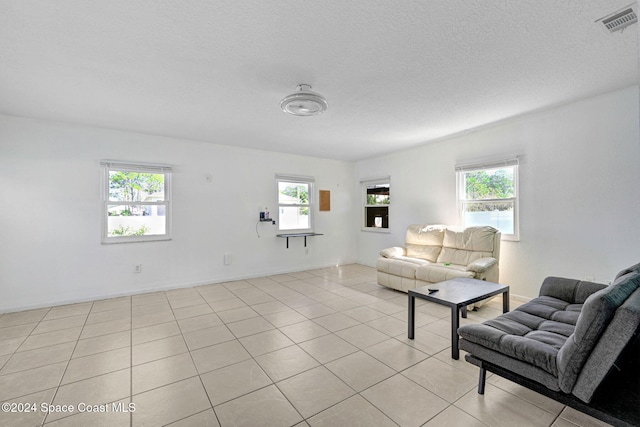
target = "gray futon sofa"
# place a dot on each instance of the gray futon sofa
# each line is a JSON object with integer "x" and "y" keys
{"x": 567, "y": 339}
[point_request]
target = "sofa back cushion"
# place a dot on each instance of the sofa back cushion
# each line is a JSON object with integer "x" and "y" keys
{"x": 623, "y": 327}
{"x": 429, "y": 253}
{"x": 597, "y": 312}
{"x": 462, "y": 247}
{"x": 424, "y": 241}
{"x": 632, "y": 269}
{"x": 570, "y": 290}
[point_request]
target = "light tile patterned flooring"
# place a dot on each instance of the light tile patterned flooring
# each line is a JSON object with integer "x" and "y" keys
{"x": 325, "y": 347}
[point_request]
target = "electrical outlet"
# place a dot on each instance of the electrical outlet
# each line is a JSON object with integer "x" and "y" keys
{"x": 589, "y": 279}
{"x": 137, "y": 268}
{"x": 306, "y": 251}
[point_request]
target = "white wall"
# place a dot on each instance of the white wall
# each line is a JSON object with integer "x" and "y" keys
{"x": 579, "y": 186}
{"x": 580, "y": 204}
{"x": 50, "y": 249}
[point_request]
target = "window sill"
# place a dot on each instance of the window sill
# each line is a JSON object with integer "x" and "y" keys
{"x": 116, "y": 240}
{"x": 376, "y": 230}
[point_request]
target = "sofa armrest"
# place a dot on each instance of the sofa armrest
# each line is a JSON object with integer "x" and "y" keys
{"x": 572, "y": 291}
{"x": 394, "y": 252}
{"x": 481, "y": 265}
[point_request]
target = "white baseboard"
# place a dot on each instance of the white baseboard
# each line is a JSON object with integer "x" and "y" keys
{"x": 159, "y": 288}
{"x": 520, "y": 298}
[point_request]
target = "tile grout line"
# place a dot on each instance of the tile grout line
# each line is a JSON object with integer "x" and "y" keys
{"x": 77, "y": 341}
{"x": 13, "y": 353}
{"x": 274, "y": 383}
{"x": 85, "y": 325}
{"x": 252, "y": 357}
{"x": 28, "y": 335}
{"x": 256, "y": 362}
{"x": 320, "y": 365}
{"x": 359, "y": 393}
{"x": 196, "y": 366}
{"x": 53, "y": 398}
{"x": 20, "y": 345}
{"x": 260, "y": 367}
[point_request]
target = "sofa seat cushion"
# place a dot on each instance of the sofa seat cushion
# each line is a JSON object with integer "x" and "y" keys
{"x": 460, "y": 256}
{"x": 400, "y": 266}
{"x": 555, "y": 309}
{"x": 522, "y": 368}
{"x": 438, "y": 272}
{"x": 533, "y": 333}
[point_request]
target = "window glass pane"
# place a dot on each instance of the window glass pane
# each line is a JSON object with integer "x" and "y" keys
{"x": 135, "y": 187}
{"x": 137, "y": 220}
{"x": 489, "y": 184}
{"x": 294, "y": 217}
{"x": 293, "y": 193}
{"x": 378, "y": 194}
{"x": 499, "y": 215}
{"x": 377, "y": 217}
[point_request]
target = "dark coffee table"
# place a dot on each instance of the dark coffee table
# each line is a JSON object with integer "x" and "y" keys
{"x": 457, "y": 294}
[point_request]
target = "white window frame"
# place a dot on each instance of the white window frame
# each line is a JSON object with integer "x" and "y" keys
{"x": 461, "y": 193}
{"x": 108, "y": 166}
{"x": 310, "y": 181}
{"x": 363, "y": 188}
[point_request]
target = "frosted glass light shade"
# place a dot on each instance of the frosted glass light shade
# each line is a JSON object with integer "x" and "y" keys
{"x": 304, "y": 102}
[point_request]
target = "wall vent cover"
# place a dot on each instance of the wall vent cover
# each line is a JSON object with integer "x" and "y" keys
{"x": 619, "y": 20}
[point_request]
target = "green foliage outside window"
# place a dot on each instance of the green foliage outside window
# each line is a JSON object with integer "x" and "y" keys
{"x": 377, "y": 199}
{"x": 480, "y": 185}
{"x": 129, "y": 231}
{"x": 299, "y": 192}
{"x": 133, "y": 187}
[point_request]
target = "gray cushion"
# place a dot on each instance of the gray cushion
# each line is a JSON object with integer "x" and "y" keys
{"x": 572, "y": 332}
{"x": 622, "y": 327}
{"x": 632, "y": 269}
{"x": 532, "y": 333}
{"x": 569, "y": 290}
{"x": 522, "y": 368}
{"x": 595, "y": 316}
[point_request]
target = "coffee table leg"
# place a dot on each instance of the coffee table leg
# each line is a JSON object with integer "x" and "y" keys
{"x": 412, "y": 316}
{"x": 455, "y": 321}
{"x": 505, "y": 301}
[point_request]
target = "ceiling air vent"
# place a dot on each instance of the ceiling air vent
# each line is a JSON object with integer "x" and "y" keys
{"x": 619, "y": 20}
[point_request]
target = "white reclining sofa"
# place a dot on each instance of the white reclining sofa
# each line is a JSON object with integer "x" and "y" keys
{"x": 435, "y": 253}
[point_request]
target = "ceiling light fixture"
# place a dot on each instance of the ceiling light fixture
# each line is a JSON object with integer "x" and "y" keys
{"x": 304, "y": 102}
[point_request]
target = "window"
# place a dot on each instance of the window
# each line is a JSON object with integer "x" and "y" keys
{"x": 376, "y": 203}
{"x": 136, "y": 202}
{"x": 295, "y": 203}
{"x": 488, "y": 195}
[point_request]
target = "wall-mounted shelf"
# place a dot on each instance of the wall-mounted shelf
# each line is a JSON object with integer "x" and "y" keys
{"x": 305, "y": 235}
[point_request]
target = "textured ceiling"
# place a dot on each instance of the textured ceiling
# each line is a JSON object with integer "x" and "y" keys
{"x": 396, "y": 74}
